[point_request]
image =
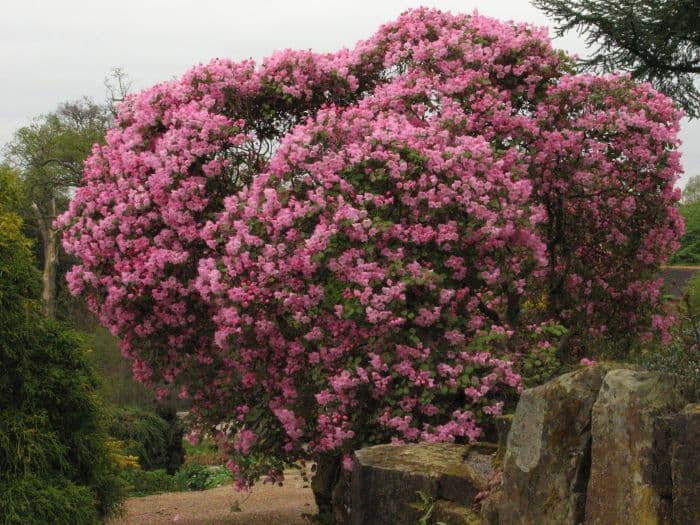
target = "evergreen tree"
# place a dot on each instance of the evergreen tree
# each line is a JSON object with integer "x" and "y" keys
{"x": 655, "y": 40}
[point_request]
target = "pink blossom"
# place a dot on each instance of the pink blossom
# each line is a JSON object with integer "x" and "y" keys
{"x": 328, "y": 248}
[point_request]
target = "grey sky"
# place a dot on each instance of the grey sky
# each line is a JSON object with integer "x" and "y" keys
{"x": 53, "y": 51}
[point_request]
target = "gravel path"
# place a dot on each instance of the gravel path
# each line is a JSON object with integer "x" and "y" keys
{"x": 264, "y": 505}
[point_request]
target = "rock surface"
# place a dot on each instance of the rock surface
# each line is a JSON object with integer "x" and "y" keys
{"x": 503, "y": 424}
{"x": 623, "y": 486}
{"x": 490, "y": 508}
{"x": 685, "y": 466}
{"x": 451, "y": 513}
{"x": 547, "y": 460}
{"x": 386, "y": 479}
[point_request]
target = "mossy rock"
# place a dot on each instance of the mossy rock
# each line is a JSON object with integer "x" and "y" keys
{"x": 390, "y": 478}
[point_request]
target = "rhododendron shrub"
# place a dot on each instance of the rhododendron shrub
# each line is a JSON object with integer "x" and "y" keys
{"x": 605, "y": 167}
{"x": 333, "y": 250}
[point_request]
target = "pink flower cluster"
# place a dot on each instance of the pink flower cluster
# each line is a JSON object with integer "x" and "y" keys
{"x": 351, "y": 248}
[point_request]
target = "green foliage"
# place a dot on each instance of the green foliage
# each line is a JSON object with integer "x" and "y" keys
{"x": 18, "y": 277}
{"x": 689, "y": 252}
{"x": 202, "y": 477}
{"x": 40, "y": 500}
{"x": 191, "y": 477}
{"x": 55, "y": 466}
{"x": 655, "y": 40}
{"x": 52, "y": 427}
{"x": 539, "y": 366}
{"x": 175, "y": 452}
{"x": 426, "y": 506}
{"x": 145, "y": 434}
{"x": 118, "y": 387}
{"x": 49, "y": 152}
{"x": 11, "y": 195}
{"x": 145, "y": 482}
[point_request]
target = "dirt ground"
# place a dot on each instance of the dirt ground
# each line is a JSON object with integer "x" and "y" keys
{"x": 264, "y": 505}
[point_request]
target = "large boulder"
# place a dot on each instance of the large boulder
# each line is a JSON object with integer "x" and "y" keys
{"x": 547, "y": 458}
{"x": 685, "y": 466}
{"x": 626, "y": 484}
{"x": 387, "y": 479}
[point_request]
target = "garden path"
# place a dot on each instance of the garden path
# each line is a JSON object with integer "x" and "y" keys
{"x": 264, "y": 505}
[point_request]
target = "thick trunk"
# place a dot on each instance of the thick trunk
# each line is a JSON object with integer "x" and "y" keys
{"x": 49, "y": 238}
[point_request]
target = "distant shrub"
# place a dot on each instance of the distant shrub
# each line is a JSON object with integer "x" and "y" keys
{"x": 146, "y": 482}
{"x": 201, "y": 477}
{"x": 145, "y": 434}
{"x": 191, "y": 477}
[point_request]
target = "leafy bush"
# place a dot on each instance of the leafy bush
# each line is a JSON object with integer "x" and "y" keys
{"x": 190, "y": 477}
{"x": 202, "y": 477}
{"x": 42, "y": 500}
{"x": 145, "y": 434}
{"x": 145, "y": 482}
{"x": 334, "y": 250}
{"x": 55, "y": 464}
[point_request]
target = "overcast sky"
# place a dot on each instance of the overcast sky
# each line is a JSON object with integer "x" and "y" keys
{"x": 53, "y": 51}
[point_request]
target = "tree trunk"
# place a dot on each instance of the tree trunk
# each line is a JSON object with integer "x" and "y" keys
{"x": 50, "y": 248}
{"x": 331, "y": 488}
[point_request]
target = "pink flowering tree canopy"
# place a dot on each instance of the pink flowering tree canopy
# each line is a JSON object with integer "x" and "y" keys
{"x": 333, "y": 250}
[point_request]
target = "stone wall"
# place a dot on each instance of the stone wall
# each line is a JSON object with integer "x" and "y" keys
{"x": 604, "y": 445}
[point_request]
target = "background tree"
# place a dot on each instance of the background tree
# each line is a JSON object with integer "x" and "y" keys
{"x": 44, "y": 162}
{"x": 691, "y": 191}
{"x": 689, "y": 252}
{"x": 118, "y": 85}
{"x": 655, "y": 40}
{"x": 48, "y": 154}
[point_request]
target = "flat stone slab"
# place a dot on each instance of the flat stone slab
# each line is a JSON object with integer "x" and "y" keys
{"x": 386, "y": 479}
